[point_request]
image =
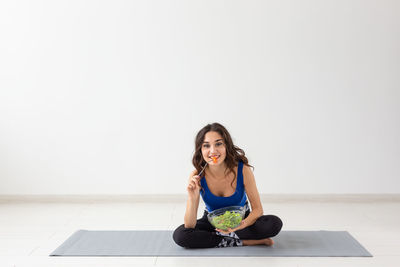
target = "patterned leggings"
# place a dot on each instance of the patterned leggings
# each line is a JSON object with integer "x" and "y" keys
{"x": 205, "y": 236}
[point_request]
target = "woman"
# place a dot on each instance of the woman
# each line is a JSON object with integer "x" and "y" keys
{"x": 227, "y": 181}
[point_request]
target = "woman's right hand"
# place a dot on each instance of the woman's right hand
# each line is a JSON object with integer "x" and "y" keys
{"x": 194, "y": 186}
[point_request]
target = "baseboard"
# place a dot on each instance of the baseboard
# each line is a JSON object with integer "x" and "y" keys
{"x": 165, "y": 198}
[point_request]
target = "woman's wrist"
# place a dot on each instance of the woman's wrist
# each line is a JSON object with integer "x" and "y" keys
{"x": 193, "y": 198}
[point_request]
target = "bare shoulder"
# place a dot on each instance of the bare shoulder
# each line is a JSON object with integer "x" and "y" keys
{"x": 247, "y": 170}
{"x": 248, "y": 175}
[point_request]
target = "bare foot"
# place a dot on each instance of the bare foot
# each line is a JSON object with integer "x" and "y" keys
{"x": 269, "y": 241}
{"x": 266, "y": 241}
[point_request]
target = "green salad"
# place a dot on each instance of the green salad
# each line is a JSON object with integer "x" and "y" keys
{"x": 229, "y": 219}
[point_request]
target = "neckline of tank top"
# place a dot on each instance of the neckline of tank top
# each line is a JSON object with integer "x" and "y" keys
{"x": 236, "y": 189}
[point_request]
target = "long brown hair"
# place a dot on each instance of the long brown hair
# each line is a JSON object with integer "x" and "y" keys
{"x": 234, "y": 154}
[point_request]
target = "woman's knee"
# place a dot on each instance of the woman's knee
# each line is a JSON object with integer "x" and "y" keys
{"x": 276, "y": 224}
{"x": 180, "y": 236}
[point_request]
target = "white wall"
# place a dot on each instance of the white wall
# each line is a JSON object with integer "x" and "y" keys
{"x": 105, "y": 97}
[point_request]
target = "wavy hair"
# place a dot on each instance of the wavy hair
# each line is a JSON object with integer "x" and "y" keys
{"x": 234, "y": 154}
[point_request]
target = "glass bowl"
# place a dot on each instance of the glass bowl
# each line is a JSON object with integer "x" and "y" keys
{"x": 227, "y": 217}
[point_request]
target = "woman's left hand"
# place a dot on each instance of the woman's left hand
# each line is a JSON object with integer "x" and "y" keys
{"x": 243, "y": 224}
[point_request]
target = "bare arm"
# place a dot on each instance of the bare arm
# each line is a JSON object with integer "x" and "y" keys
{"x": 253, "y": 195}
{"x": 191, "y": 212}
{"x": 192, "y": 203}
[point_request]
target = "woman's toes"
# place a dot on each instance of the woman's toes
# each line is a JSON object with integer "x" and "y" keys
{"x": 269, "y": 242}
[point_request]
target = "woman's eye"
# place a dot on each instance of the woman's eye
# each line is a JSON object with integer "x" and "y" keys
{"x": 218, "y": 144}
{"x": 206, "y": 146}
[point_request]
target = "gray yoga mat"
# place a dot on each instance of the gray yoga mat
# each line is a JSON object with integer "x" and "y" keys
{"x": 160, "y": 243}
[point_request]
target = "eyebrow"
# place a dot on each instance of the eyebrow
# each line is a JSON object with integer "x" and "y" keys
{"x": 215, "y": 141}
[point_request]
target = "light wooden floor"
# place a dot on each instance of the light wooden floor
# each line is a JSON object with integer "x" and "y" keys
{"x": 30, "y": 231}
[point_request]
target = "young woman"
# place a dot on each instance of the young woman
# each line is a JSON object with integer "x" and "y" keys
{"x": 226, "y": 181}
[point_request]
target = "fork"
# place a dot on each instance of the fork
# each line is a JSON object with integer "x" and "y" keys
{"x": 204, "y": 167}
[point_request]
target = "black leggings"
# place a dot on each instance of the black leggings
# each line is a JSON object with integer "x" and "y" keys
{"x": 205, "y": 236}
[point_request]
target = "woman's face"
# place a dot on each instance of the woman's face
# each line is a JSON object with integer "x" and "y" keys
{"x": 213, "y": 145}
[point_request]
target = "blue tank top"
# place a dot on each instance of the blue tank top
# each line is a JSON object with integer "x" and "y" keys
{"x": 214, "y": 202}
